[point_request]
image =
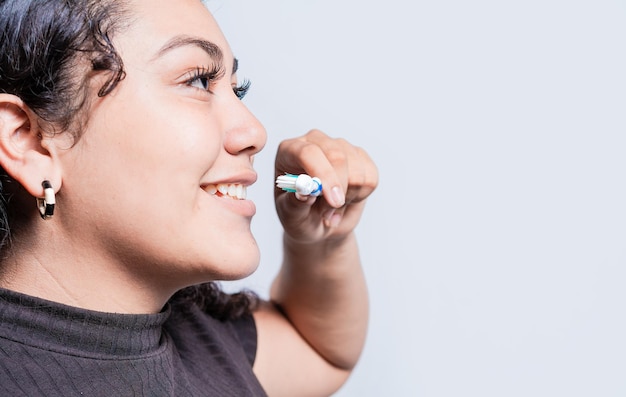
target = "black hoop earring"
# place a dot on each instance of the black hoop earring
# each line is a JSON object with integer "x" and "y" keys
{"x": 46, "y": 204}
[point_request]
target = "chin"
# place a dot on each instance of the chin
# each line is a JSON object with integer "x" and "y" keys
{"x": 244, "y": 271}
{"x": 240, "y": 266}
{"x": 237, "y": 275}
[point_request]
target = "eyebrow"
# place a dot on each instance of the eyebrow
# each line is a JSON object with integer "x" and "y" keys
{"x": 181, "y": 41}
{"x": 210, "y": 48}
{"x": 235, "y": 65}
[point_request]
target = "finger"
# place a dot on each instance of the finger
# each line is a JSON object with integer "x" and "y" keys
{"x": 316, "y": 154}
{"x": 363, "y": 178}
{"x": 332, "y": 217}
{"x": 327, "y": 163}
{"x": 359, "y": 169}
{"x": 293, "y": 210}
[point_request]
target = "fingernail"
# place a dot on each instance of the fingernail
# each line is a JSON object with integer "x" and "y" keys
{"x": 337, "y": 196}
{"x": 327, "y": 216}
{"x": 335, "y": 220}
{"x": 331, "y": 219}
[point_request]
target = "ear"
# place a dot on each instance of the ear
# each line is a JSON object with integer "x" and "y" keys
{"x": 25, "y": 154}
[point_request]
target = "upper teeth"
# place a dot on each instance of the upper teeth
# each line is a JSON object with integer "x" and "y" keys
{"x": 233, "y": 190}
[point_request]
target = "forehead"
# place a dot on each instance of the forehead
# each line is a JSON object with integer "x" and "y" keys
{"x": 155, "y": 22}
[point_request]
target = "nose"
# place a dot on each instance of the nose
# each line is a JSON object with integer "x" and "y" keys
{"x": 244, "y": 132}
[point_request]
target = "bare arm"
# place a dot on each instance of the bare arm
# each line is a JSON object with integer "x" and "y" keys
{"x": 319, "y": 309}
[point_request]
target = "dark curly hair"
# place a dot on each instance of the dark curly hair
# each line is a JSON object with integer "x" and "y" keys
{"x": 49, "y": 51}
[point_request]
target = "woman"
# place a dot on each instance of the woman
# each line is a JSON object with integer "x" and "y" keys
{"x": 124, "y": 120}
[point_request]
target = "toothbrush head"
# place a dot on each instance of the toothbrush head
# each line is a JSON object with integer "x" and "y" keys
{"x": 302, "y": 184}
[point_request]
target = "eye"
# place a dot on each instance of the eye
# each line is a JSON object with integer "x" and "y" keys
{"x": 204, "y": 78}
{"x": 202, "y": 83}
{"x": 242, "y": 89}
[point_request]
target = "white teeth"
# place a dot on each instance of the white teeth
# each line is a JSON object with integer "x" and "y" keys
{"x": 234, "y": 190}
{"x": 222, "y": 188}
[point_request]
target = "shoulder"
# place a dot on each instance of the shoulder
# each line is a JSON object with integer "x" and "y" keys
{"x": 200, "y": 320}
{"x": 222, "y": 349}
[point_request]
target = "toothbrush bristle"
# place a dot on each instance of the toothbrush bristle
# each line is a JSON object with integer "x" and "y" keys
{"x": 286, "y": 181}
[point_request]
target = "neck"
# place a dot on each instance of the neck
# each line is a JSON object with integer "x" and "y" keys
{"x": 81, "y": 282}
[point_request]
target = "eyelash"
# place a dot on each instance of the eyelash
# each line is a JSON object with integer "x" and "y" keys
{"x": 242, "y": 89}
{"x": 213, "y": 74}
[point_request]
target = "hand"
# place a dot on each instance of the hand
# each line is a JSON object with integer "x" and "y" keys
{"x": 348, "y": 177}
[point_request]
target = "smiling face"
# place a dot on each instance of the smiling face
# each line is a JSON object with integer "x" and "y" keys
{"x": 156, "y": 183}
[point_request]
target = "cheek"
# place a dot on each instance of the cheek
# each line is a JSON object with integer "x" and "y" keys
{"x": 194, "y": 137}
{"x": 167, "y": 137}
{"x": 147, "y": 142}
{"x": 182, "y": 127}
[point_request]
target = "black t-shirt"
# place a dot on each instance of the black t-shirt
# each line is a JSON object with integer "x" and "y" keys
{"x": 49, "y": 349}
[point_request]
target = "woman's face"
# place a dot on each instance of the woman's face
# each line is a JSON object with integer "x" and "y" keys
{"x": 139, "y": 186}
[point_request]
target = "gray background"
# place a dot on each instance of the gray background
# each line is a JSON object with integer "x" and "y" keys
{"x": 494, "y": 246}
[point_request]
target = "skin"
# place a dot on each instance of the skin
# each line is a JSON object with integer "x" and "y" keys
{"x": 134, "y": 222}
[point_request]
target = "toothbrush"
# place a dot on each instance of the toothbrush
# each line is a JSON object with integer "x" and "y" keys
{"x": 302, "y": 184}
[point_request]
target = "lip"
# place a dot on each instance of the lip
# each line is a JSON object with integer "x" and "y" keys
{"x": 246, "y": 178}
{"x": 244, "y": 207}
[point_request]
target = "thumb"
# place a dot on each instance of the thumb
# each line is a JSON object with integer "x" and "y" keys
{"x": 293, "y": 209}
